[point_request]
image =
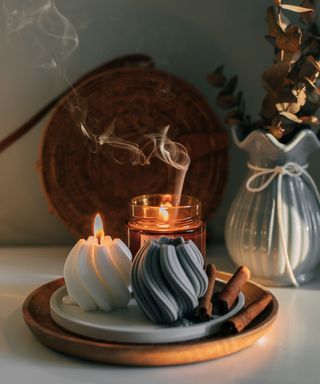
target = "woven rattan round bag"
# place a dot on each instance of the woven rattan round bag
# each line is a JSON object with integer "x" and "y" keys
{"x": 129, "y": 94}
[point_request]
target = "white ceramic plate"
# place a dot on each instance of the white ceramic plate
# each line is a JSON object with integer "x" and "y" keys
{"x": 129, "y": 325}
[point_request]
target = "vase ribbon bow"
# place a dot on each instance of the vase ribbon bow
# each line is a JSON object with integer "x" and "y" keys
{"x": 291, "y": 169}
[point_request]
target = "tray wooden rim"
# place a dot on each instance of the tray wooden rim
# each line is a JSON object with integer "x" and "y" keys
{"x": 50, "y": 334}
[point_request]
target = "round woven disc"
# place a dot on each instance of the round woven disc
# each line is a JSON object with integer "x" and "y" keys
{"x": 81, "y": 180}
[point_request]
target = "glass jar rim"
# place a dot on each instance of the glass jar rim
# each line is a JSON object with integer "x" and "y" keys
{"x": 192, "y": 201}
{"x": 152, "y": 209}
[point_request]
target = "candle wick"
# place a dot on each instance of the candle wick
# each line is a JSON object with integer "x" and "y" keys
{"x": 100, "y": 237}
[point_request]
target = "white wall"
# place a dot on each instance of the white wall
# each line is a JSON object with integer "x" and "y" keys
{"x": 186, "y": 37}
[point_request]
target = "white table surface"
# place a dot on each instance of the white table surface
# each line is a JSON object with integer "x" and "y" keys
{"x": 289, "y": 353}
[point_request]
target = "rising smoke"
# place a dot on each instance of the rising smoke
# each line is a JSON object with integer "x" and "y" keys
{"x": 153, "y": 145}
{"x": 56, "y": 39}
{"x": 48, "y": 30}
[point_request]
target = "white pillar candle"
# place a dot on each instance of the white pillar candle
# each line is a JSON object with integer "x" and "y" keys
{"x": 97, "y": 272}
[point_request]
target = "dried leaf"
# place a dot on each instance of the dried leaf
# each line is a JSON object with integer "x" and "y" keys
{"x": 277, "y": 131}
{"x": 288, "y": 107}
{"x": 314, "y": 62}
{"x": 231, "y": 85}
{"x": 292, "y": 83}
{"x": 273, "y": 27}
{"x": 226, "y": 100}
{"x": 277, "y": 121}
{"x": 311, "y": 45}
{"x": 310, "y": 108}
{"x": 285, "y": 95}
{"x": 277, "y": 128}
{"x": 295, "y": 57}
{"x": 282, "y": 21}
{"x": 291, "y": 116}
{"x": 313, "y": 85}
{"x": 216, "y": 79}
{"x": 308, "y": 17}
{"x": 292, "y": 100}
{"x": 299, "y": 91}
{"x": 268, "y": 109}
{"x": 314, "y": 97}
{"x": 274, "y": 77}
{"x": 219, "y": 69}
{"x": 311, "y": 120}
{"x": 295, "y": 8}
{"x": 270, "y": 39}
{"x": 281, "y": 106}
{"x": 234, "y": 117}
{"x": 311, "y": 82}
{"x": 309, "y": 68}
{"x": 290, "y": 57}
{"x": 290, "y": 39}
{"x": 239, "y": 98}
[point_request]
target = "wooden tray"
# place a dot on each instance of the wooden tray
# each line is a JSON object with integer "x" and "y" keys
{"x": 36, "y": 312}
{"x": 129, "y": 325}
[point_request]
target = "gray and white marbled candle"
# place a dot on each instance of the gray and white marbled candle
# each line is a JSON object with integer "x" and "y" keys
{"x": 168, "y": 278}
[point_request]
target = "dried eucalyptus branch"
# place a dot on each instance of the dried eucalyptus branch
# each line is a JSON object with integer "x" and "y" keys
{"x": 292, "y": 83}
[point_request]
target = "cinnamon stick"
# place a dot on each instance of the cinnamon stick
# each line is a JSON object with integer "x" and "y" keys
{"x": 205, "y": 304}
{"x": 241, "y": 320}
{"x": 231, "y": 290}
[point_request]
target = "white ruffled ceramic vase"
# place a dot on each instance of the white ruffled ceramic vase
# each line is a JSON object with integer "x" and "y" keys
{"x": 273, "y": 226}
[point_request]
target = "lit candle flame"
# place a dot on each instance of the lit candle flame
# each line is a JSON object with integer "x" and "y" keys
{"x": 98, "y": 228}
{"x": 163, "y": 213}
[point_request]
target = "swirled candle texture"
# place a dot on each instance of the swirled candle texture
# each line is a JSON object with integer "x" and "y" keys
{"x": 97, "y": 274}
{"x": 168, "y": 279}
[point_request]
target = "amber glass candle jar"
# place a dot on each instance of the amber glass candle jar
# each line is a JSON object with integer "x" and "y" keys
{"x": 153, "y": 216}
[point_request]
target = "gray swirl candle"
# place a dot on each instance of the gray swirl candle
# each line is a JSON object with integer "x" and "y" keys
{"x": 156, "y": 215}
